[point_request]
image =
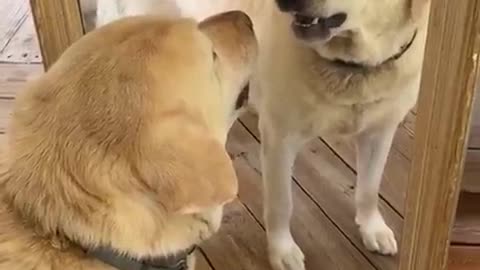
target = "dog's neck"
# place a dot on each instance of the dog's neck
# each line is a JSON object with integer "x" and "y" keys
{"x": 108, "y": 256}
{"x": 358, "y": 65}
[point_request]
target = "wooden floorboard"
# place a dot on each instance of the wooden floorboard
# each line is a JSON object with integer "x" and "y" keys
{"x": 13, "y": 77}
{"x": 467, "y": 225}
{"x": 240, "y": 243}
{"x": 472, "y": 170}
{"x": 393, "y": 188}
{"x": 23, "y": 47}
{"x": 325, "y": 246}
{"x": 12, "y": 14}
{"x": 6, "y": 106}
{"x": 464, "y": 258}
{"x": 409, "y": 123}
{"x": 474, "y": 141}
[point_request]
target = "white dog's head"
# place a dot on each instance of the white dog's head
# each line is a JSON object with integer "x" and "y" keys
{"x": 365, "y": 31}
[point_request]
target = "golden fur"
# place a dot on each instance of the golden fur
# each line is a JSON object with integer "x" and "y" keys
{"x": 121, "y": 143}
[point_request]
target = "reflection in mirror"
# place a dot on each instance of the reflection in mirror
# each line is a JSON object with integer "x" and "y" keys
{"x": 89, "y": 13}
{"x": 116, "y": 9}
{"x": 471, "y": 178}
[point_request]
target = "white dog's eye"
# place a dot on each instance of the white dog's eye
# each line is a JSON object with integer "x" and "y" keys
{"x": 214, "y": 55}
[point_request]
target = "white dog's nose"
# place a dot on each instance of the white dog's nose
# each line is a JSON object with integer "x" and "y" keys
{"x": 291, "y": 5}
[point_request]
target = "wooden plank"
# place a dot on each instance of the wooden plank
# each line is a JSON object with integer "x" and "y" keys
{"x": 443, "y": 118}
{"x": 409, "y": 123}
{"x": 395, "y": 176}
{"x": 331, "y": 199}
{"x": 59, "y": 24}
{"x": 464, "y": 258}
{"x": 324, "y": 246}
{"x": 331, "y": 184}
{"x": 240, "y": 243}
{"x": 13, "y": 78}
{"x": 474, "y": 141}
{"x": 467, "y": 225}
{"x": 12, "y": 15}
{"x": 3, "y": 141}
{"x": 471, "y": 176}
{"x": 6, "y": 106}
{"x": 403, "y": 143}
{"x": 23, "y": 47}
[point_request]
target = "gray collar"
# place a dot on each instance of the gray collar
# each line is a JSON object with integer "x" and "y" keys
{"x": 112, "y": 258}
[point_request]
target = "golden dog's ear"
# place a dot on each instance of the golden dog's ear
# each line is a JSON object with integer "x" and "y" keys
{"x": 189, "y": 173}
{"x": 417, "y": 7}
{"x": 206, "y": 176}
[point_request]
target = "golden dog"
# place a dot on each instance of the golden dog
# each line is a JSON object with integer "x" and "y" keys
{"x": 115, "y": 157}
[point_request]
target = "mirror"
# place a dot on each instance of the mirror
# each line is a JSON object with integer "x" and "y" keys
{"x": 89, "y": 10}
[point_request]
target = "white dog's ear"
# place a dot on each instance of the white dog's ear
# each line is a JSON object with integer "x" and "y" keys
{"x": 417, "y": 7}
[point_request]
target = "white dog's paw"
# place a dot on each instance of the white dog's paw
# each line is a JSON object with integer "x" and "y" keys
{"x": 286, "y": 255}
{"x": 377, "y": 236}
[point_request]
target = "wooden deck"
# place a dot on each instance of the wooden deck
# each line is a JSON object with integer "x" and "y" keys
{"x": 324, "y": 181}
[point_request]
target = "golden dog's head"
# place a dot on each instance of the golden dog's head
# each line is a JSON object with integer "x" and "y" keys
{"x": 363, "y": 31}
{"x": 121, "y": 142}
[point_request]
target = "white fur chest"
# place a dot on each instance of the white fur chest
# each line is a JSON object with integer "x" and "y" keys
{"x": 383, "y": 100}
{"x": 349, "y": 120}
{"x": 323, "y": 103}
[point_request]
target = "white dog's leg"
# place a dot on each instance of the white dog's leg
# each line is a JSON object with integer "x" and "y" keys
{"x": 372, "y": 153}
{"x": 278, "y": 156}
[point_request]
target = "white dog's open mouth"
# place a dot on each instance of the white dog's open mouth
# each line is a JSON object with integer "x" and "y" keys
{"x": 304, "y": 20}
{"x": 318, "y": 28}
